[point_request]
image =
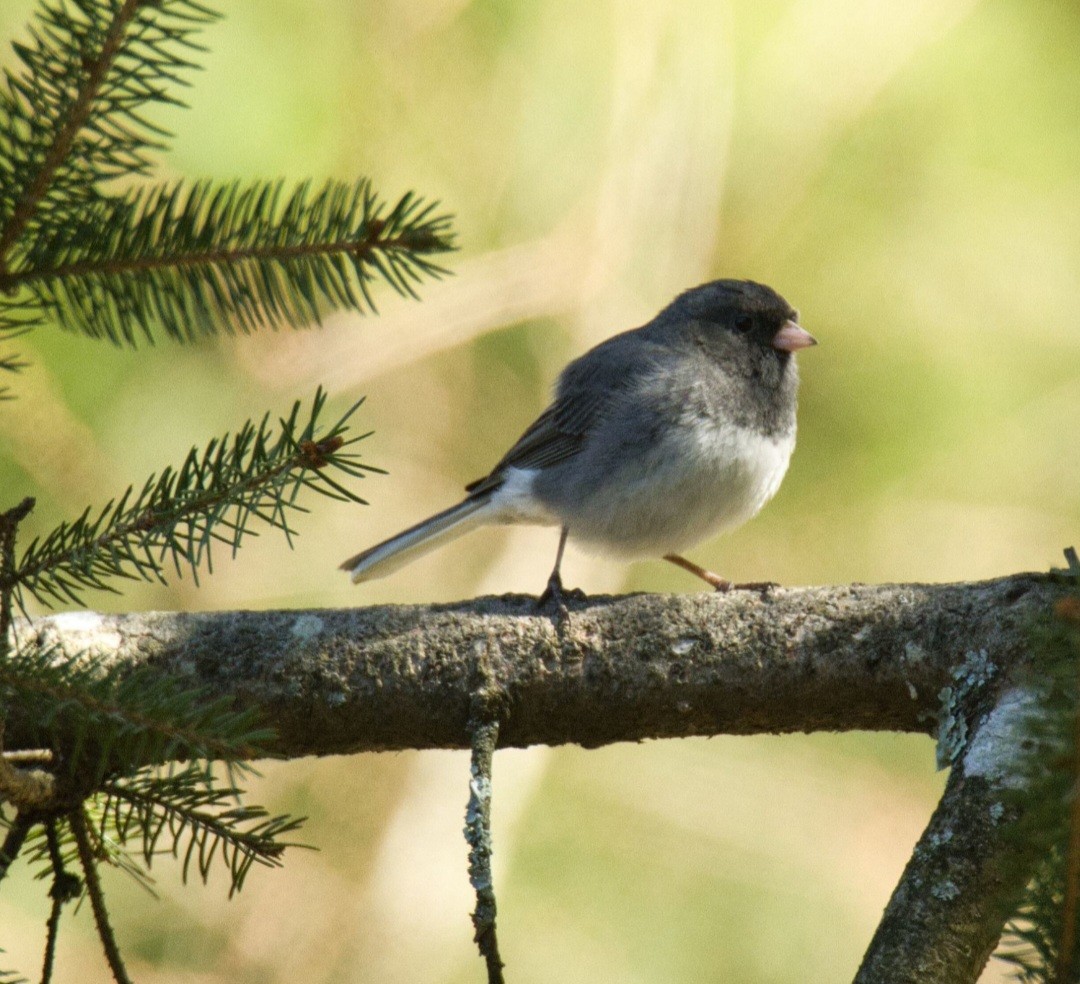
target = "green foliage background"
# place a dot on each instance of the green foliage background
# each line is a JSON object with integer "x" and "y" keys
{"x": 906, "y": 174}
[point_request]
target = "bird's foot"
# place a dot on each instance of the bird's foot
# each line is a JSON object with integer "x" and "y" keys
{"x": 555, "y": 595}
{"x": 763, "y": 588}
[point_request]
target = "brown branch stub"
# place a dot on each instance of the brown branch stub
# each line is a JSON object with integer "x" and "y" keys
{"x": 621, "y": 669}
{"x": 32, "y": 791}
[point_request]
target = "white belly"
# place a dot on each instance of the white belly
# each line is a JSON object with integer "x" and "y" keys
{"x": 678, "y": 497}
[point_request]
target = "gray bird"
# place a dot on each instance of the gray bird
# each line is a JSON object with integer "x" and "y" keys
{"x": 656, "y": 439}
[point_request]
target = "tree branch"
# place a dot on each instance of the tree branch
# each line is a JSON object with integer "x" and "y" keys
{"x": 911, "y": 657}
{"x": 362, "y": 250}
{"x": 618, "y": 669}
{"x": 78, "y": 114}
{"x": 963, "y": 880}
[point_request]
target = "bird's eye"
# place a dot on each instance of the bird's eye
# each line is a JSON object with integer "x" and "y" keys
{"x": 744, "y": 323}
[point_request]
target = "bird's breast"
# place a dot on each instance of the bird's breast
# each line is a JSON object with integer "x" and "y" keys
{"x": 668, "y": 493}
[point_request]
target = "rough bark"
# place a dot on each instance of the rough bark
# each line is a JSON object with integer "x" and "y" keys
{"x": 911, "y": 657}
{"x": 966, "y": 873}
{"x": 615, "y": 669}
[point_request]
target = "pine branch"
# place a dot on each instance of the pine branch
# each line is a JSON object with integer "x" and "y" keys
{"x": 9, "y": 525}
{"x": 337, "y": 681}
{"x": 109, "y": 722}
{"x": 12, "y": 363}
{"x": 41, "y": 854}
{"x": 18, "y": 316}
{"x": 77, "y": 822}
{"x": 17, "y": 831}
{"x": 72, "y": 117}
{"x": 646, "y": 666}
{"x": 52, "y": 928}
{"x": 197, "y": 260}
{"x": 9, "y": 363}
{"x": 176, "y": 517}
{"x": 65, "y": 888}
{"x": 11, "y": 976}
{"x": 199, "y": 819}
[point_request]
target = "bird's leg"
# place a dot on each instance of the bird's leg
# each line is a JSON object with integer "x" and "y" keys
{"x": 554, "y": 589}
{"x": 718, "y": 582}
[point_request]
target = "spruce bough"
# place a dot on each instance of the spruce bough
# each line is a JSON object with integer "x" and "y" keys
{"x": 121, "y": 767}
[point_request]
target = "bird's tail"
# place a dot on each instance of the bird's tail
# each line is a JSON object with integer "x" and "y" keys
{"x": 417, "y": 540}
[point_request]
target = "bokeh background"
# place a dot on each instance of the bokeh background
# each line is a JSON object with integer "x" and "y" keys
{"x": 907, "y": 174}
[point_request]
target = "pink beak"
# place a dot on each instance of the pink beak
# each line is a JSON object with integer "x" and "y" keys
{"x": 791, "y": 338}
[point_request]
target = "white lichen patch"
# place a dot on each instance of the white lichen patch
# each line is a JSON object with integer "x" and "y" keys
{"x": 952, "y": 728}
{"x": 996, "y": 746}
{"x": 945, "y": 891}
{"x": 936, "y": 839}
{"x": 913, "y": 652}
{"x": 307, "y": 626}
{"x": 683, "y": 646}
{"x": 79, "y": 632}
{"x": 974, "y": 672}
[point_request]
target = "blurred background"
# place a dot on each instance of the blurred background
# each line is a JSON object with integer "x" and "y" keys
{"x": 905, "y": 174}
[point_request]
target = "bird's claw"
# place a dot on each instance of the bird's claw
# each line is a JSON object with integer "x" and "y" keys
{"x": 763, "y": 588}
{"x": 556, "y": 595}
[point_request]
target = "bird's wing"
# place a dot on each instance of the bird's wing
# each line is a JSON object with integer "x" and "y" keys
{"x": 586, "y": 388}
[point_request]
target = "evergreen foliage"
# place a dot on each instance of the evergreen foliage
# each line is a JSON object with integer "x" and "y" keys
{"x": 189, "y": 260}
{"x": 1043, "y": 939}
{"x": 176, "y": 516}
{"x": 203, "y": 259}
{"x": 128, "y": 766}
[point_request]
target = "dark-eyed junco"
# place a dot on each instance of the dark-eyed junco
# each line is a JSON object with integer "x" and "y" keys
{"x": 656, "y": 438}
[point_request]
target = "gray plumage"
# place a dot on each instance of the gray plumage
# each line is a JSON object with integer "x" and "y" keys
{"x": 655, "y": 439}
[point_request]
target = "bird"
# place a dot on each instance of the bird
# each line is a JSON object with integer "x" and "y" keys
{"x": 656, "y": 439}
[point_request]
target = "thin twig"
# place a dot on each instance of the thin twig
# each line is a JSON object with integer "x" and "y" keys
{"x": 9, "y": 525}
{"x": 77, "y": 819}
{"x": 52, "y": 924}
{"x": 65, "y": 887}
{"x": 13, "y": 843}
{"x": 30, "y": 756}
{"x": 484, "y": 728}
{"x": 159, "y": 521}
{"x": 27, "y": 789}
{"x": 478, "y": 835}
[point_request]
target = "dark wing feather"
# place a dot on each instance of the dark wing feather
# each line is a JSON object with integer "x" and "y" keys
{"x": 585, "y": 389}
